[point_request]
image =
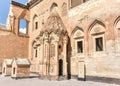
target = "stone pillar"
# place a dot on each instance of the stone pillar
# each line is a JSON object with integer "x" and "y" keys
{"x": 65, "y": 40}
{"x": 16, "y": 28}
{"x": 56, "y": 59}
{"x": 41, "y": 56}
{"x": 47, "y": 56}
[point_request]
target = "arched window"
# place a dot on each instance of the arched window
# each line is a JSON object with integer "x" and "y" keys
{"x": 78, "y": 40}
{"x": 35, "y": 22}
{"x": 97, "y": 36}
{"x": 22, "y": 26}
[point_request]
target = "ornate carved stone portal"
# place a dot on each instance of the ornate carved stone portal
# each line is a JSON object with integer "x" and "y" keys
{"x": 52, "y": 41}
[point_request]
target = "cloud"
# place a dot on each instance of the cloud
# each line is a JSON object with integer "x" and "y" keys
{"x": 23, "y": 30}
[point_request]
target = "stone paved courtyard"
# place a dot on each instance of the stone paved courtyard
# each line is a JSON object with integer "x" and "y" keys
{"x": 7, "y": 81}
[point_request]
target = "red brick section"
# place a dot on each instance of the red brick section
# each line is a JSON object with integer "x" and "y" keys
{"x": 12, "y": 46}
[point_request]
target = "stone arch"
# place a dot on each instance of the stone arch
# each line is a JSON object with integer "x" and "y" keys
{"x": 35, "y": 22}
{"x": 77, "y": 36}
{"x": 78, "y": 30}
{"x": 117, "y": 20}
{"x": 117, "y": 25}
{"x": 96, "y": 27}
{"x": 117, "y": 34}
{"x": 54, "y": 7}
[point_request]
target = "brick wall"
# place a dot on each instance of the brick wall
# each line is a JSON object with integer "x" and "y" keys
{"x": 12, "y": 46}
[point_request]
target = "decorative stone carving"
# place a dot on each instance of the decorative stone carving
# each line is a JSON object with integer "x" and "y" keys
{"x": 97, "y": 27}
{"x": 78, "y": 34}
{"x": 64, "y": 9}
{"x": 54, "y": 24}
{"x": 51, "y": 69}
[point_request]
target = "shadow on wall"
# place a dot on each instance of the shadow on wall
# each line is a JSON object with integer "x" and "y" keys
{"x": 69, "y": 49}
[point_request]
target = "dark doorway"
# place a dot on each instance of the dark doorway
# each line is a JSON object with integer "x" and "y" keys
{"x": 14, "y": 70}
{"x": 69, "y": 50}
{"x": 4, "y": 70}
{"x": 60, "y": 67}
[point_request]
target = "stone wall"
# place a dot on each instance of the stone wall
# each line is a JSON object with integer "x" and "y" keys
{"x": 23, "y": 72}
{"x": 88, "y": 15}
{"x": 12, "y": 46}
{"x": 93, "y": 19}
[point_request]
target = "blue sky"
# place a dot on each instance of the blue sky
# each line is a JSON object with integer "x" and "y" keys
{"x": 4, "y": 9}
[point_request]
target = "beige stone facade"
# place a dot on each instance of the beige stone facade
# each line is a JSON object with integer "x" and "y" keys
{"x": 68, "y": 38}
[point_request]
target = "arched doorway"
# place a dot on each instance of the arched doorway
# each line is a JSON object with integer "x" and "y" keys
{"x": 60, "y": 67}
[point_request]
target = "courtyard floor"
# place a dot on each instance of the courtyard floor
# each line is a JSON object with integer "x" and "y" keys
{"x": 7, "y": 81}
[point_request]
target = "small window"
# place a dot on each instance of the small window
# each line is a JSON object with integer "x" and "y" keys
{"x": 14, "y": 70}
{"x": 22, "y": 26}
{"x": 4, "y": 70}
{"x": 36, "y": 25}
{"x": 35, "y": 22}
{"x": 80, "y": 46}
{"x": 99, "y": 44}
{"x": 36, "y": 52}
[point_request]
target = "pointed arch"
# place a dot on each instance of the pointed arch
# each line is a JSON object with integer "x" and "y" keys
{"x": 117, "y": 24}
{"x": 35, "y": 22}
{"x": 35, "y": 16}
{"x": 77, "y": 28}
{"x": 117, "y": 21}
{"x": 78, "y": 32}
{"x": 117, "y": 34}
{"x": 96, "y": 27}
{"x": 96, "y": 33}
{"x": 54, "y": 7}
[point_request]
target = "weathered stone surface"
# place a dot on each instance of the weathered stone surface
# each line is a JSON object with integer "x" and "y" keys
{"x": 95, "y": 24}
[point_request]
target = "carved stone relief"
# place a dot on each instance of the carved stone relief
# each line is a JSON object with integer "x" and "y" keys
{"x": 64, "y": 9}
